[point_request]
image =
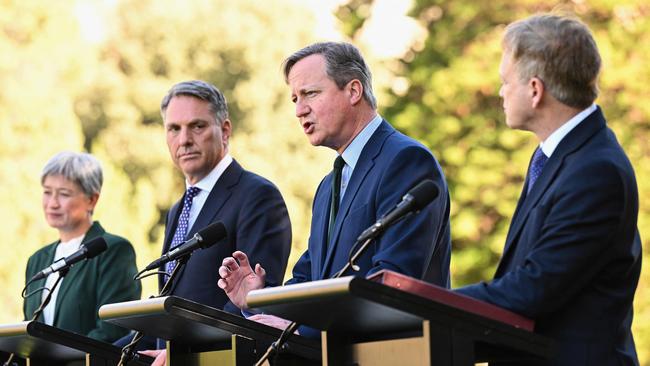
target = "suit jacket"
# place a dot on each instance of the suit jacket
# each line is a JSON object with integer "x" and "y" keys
{"x": 390, "y": 165}
{"x": 105, "y": 279}
{"x": 572, "y": 256}
{"x": 257, "y": 223}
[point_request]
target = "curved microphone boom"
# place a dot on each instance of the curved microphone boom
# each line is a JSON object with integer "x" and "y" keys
{"x": 416, "y": 199}
{"x": 204, "y": 238}
{"x": 86, "y": 251}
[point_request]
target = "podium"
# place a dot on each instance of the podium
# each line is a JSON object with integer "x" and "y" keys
{"x": 391, "y": 319}
{"x": 44, "y": 345}
{"x": 197, "y": 334}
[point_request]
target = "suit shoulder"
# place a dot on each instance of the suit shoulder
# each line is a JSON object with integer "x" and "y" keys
{"x": 604, "y": 154}
{"x": 41, "y": 252}
{"x": 113, "y": 240}
{"x": 398, "y": 142}
{"x": 250, "y": 180}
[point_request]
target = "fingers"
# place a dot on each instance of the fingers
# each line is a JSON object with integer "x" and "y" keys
{"x": 242, "y": 258}
{"x": 259, "y": 271}
{"x": 230, "y": 264}
{"x": 222, "y": 284}
{"x": 161, "y": 359}
{"x": 270, "y": 320}
{"x": 151, "y": 353}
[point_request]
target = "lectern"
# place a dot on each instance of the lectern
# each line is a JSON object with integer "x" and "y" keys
{"x": 197, "y": 334}
{"x": 44, "y": 345}
{"x": 391, "y": 319}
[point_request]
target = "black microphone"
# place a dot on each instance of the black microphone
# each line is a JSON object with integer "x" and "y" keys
{"x": 204, "y": 238}
{"x": 86, "y": 251}
{"x": 418, "y": 197}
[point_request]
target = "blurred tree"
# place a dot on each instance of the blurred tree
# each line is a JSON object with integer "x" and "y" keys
{"x": 450, "y": 102}
{"x": 39, "y": 64}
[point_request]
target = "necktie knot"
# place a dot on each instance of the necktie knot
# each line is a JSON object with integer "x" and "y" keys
{"x": 536, "y": 167}
{"x": 192, "y": 192}
{"x": 339, "y": 163}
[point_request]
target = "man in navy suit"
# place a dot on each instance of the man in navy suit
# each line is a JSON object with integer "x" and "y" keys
{"x": 572, "y": 256}
{"x": 331, "y": 89}
{"x": 198, "y": 129}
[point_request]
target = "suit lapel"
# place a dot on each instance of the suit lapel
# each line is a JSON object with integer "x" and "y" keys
{"x": 76, "y": 271}
{"x": 34, "y": 301}
{"x": 366, "y": 162}
{"x": 570, "y": 143}
{"x": 173, "y": 215}
{"x": 218, "y": 196}
{"x": 170, "y": 227}
{"x": 320, "y": 216}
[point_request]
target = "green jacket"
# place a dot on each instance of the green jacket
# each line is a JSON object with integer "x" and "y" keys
{"x": 105, "y": 279}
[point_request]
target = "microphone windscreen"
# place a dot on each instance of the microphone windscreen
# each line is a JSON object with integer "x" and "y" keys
{"x": 212, "y": 233}
{"x": 95, "y": 246}
{"x": 425, "y": 192}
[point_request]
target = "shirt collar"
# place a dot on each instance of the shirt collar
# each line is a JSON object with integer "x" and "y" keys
{"x": 550, "y": 144}
{"x": 210, "y": 180}
{"x": 353, "y": 151}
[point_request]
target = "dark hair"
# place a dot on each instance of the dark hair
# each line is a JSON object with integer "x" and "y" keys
{"x": 201, "y": 90}
{"x": 344, "y": 63}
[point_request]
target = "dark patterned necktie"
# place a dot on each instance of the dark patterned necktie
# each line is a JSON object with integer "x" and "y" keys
{"x": 536, "y": 167}
{"x": 182, "y": 226}
{"x": 336, "y": 194}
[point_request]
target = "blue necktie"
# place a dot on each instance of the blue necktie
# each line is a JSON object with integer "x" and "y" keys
{"x": 336, "y": 195}
{"x": 536, "y": 167}
{"x": 182, "y": 226}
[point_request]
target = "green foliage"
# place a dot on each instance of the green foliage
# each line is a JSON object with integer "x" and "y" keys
{"x": 452, "y": 105}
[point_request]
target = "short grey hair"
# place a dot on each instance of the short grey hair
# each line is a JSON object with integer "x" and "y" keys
{"x": 344, "y": 63}
{"x": 201, "y": 90}
{"x": 80, "y": 168}
{"x": 561, "y": 51}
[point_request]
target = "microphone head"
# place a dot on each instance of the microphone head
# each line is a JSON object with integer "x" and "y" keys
{"x": 425, "y": 192}
{"x": 212, "y": 233}
{"x": 95, "y": 246}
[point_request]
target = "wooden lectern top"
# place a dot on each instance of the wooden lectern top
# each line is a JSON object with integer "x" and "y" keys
{"x": 447, "y": 297}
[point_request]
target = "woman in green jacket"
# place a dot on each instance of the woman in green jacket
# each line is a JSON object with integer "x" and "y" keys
{"x": 71, "y": 186}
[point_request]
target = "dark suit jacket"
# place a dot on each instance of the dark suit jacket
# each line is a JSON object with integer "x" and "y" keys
{"x": 105, "y": 279}
{"x": 390, "y": 165}
{"x": 256, "y": 220}
{"x": 573, "y": 255}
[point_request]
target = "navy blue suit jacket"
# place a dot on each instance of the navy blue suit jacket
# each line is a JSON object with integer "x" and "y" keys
{"x": 390, "y": 165}
{"x": 257, "y": 223}
{"x": 572, "y": 256}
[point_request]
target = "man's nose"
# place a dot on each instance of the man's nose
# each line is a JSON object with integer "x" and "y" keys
{"x": 302, "y": 109}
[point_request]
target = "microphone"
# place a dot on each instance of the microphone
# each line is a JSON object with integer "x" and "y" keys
{"x": 413, "y": 201}
{"x": 88, "y": 250}
{"x": 204, "y": 238}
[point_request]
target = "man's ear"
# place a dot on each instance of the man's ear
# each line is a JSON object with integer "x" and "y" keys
{"x": 355, "y": 90}
{"x": 537, "y": 90}
{"x": 226, "y": 131}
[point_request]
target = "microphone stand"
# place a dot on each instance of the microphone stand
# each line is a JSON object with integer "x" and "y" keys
{"x": 39, "y": 311}
{"x": 128, "y": 354}
{"x": 291, "y": 328}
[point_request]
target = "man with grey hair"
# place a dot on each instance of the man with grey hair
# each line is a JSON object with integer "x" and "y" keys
{"x": 572, "y": 256}
{"x": 71, "y": 186}
{"x": 375, "y": 166}
{"x": 198, "y": 129}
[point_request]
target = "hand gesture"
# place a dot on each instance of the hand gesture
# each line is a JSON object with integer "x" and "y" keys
{"x": 238, "y": 279}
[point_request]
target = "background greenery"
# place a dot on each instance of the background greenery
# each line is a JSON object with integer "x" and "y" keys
{"x": 66, "y": 86}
